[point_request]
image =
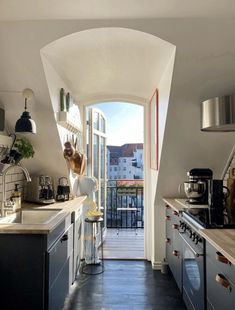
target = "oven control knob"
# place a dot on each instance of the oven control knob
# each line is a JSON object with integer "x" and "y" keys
{"x": 197, "y": 239}
{"x": 190, "y": 233}
{"x": 193, "y": 236}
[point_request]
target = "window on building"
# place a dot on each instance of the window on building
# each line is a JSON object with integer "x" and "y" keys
{"x": 115, "y": 177}
{"x": 124, "y": 160}
{"x": 115, "y": 168}
{"x": 124, "y": 168}
{"x": 111, "y": 169}
{"x": 124, "y": 177}
{"x": 129, "y": 172}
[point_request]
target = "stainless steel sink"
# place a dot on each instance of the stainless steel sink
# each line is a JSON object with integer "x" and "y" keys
{"x": 31, "y": 217}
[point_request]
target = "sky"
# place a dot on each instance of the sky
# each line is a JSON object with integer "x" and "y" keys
{"x": 124, "y": 122}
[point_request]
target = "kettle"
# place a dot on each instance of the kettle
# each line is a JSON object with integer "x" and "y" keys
{"x": 63, "y": 189}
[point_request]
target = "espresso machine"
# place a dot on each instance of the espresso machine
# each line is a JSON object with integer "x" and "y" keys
{"x": 197, "y": 187}
{"x": 40, "y": 190}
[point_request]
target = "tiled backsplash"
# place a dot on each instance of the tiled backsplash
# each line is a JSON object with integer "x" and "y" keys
{"x": 14, "y": 176}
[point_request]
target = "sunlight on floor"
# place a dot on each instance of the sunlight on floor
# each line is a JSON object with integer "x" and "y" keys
{"x": 127, "y": 244}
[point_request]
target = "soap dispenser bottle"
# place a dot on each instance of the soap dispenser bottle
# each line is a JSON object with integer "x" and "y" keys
{"x": 16, "y": 197}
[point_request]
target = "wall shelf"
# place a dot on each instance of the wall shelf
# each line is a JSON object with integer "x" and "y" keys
{"x": 66, "y": 120}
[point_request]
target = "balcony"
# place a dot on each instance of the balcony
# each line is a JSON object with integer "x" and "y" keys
{"x": 125, "y": 204}
{"x": 125, "y": 220}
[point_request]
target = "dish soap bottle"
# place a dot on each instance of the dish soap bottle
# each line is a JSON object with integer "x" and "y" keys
{"x": 16, "y": 197}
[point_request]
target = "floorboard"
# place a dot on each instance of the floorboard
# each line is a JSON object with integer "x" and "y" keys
{"x": 125, "y": 285}
{"x": 127, "y": 244}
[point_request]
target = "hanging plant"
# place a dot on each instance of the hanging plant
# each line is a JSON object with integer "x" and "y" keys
{"x": 24, "y": 147}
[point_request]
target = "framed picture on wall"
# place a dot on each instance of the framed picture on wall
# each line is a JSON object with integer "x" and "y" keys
{"x": 153, "y": 117}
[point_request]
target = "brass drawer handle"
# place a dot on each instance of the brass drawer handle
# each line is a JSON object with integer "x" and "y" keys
{"x": 175, "y": 226}
{"x": 175, "y": 213}
{"x": 221, "y": 258}
{"x": 223, "y": 281}
{"x": 168, "y": 218}
{"x": 168, "y": 240}
{"x": 176, "y": 253}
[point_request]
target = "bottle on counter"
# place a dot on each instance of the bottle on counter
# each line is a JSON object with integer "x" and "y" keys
{"x": 16, "y": 197}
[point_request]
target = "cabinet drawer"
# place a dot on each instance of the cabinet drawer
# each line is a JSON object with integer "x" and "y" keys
{"x": 59, "y": 253}
{"x": 220, "y": 262}
{"x": 219, "y": 296}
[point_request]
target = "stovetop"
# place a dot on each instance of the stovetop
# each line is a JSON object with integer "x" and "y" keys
{"x": 203, "y": 218}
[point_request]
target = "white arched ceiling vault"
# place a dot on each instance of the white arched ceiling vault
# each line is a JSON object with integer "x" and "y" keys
{"x": 110, "y": 63}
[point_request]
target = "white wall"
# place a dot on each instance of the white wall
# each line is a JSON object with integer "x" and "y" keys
{"x": 156, "y": 228}
{"x": 55, "y": 83}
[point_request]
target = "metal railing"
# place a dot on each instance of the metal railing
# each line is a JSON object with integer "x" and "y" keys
{"x": 125, "y": 204}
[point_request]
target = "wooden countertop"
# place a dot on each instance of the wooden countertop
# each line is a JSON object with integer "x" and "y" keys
{"x": 66, "y": 207}
{"x": 174, "y": 204}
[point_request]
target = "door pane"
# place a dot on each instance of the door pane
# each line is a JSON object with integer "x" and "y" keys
{"x": 102, "y": 124}
{"x": 96, "y": 154}
{"x": 96, "y": 120}
{"x": 102, "y": 157}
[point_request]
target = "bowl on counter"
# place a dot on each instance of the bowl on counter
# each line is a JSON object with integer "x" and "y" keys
{"x": 194, "y": 189}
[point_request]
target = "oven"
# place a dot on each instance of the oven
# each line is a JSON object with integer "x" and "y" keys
{"x": 193, "y": 266}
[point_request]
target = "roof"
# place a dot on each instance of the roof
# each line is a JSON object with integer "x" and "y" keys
{"x": 125, "y": 150}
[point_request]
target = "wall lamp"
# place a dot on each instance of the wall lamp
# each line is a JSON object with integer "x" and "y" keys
{"x": 25, "y": 124}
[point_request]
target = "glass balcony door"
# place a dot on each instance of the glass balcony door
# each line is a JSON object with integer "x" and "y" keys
{"x": 96, "y": 153}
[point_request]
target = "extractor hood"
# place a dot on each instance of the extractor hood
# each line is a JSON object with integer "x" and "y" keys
{"x": 218, "y": 114}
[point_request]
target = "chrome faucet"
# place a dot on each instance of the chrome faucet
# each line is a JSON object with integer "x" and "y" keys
{"x": 4, "y": 173}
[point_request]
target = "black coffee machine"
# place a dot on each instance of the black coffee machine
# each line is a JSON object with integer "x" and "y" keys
{"x": 216, "y": 202}
{"x": 199, "y": 178}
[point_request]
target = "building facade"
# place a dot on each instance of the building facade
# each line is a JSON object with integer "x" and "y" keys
{"x": 125, "y": 162}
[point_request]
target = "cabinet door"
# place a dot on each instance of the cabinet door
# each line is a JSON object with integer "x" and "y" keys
{"x": 168, "y": 240}
{"x": 77, "y": 246}
{"x": 59, "y": 254}
{"x": 173, "y": 245}
{"x": 220, "y": 290}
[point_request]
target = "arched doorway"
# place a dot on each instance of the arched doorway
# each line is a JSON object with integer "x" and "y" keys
{"x": 115, "y": 64}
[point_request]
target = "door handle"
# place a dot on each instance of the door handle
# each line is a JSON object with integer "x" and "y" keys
{"x": 223, "y": 281}
{"x": 176, "y": 253}
{"x": 221, "y": 258}
{"x": 64, "y": 238}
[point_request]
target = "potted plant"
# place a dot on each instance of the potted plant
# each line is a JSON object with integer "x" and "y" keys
{"x": 24, "y": 148}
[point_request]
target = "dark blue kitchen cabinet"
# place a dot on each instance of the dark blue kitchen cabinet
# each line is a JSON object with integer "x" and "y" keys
{"x": 220, "y": 280}
{"x": 174, "y": 244}
{"x": 34, "y": 269}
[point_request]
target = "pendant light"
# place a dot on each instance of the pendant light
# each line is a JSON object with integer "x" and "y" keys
{"x": 25, "y": 124}
{"x": 218, "y": 114}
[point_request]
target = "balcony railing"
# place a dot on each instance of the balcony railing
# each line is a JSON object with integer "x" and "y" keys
{"x": 125, "y": 204}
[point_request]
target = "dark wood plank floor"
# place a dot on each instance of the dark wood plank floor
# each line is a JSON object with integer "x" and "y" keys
{"x": 125, "y": 285}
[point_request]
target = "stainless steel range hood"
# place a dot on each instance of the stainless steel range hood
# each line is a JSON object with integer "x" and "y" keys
{"x": 218, "y": 114}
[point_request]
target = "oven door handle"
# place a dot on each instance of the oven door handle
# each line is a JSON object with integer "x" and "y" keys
{"x": 194, "y": 252}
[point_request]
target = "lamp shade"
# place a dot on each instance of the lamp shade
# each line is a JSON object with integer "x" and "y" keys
{"x": 25, "y": 124}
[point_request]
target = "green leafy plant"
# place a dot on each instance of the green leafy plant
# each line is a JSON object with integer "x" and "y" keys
{"x": 24, "y": 147}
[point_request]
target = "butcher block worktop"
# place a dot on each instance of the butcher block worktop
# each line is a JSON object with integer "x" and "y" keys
{"x": 178, "y": 207}
{"x": 66, "y": 208}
